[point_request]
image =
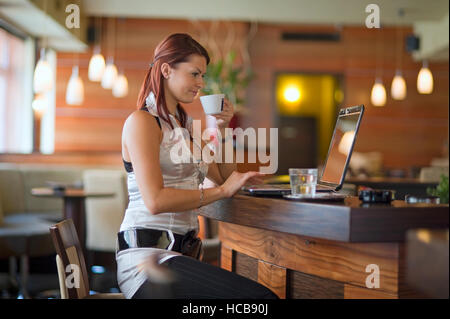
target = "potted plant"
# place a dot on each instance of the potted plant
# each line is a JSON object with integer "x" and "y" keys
{"x": 441, "y": 190}
{"x": 223, "y": 77}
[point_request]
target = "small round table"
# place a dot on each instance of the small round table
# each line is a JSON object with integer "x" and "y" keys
{"x": 73, "y": 205}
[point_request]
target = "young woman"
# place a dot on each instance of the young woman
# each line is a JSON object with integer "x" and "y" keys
{"x": 161, "y": 220}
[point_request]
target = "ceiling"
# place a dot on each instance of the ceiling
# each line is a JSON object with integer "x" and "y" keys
{"x": 30, "y": 20}
{"x": 429, "y": 18}
{"x": 346, "y": 12}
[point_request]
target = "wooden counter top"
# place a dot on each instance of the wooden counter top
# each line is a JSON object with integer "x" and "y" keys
{"x": 347, "y": 222}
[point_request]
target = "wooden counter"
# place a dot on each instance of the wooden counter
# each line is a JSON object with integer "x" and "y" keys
{"x": 310, "y": 250}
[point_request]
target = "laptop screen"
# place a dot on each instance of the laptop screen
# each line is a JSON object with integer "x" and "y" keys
{"x": 341, "y": 146}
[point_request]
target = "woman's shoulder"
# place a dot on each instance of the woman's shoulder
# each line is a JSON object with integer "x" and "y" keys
{"x": 143, "y": 119}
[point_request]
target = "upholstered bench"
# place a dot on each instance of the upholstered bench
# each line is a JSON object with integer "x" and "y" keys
{"x": 24, "y": 219}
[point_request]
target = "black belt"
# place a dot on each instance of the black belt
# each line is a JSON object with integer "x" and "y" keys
{"x": 151, "y": 238}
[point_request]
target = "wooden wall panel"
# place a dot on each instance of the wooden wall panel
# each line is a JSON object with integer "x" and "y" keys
{"x": 90, "y": 159}
{"x": 407, "y": 133}
{"x": 96, "y": 125}
{"x": 79, "y": 134}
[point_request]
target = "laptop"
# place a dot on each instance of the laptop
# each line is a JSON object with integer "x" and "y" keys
{"x": 338, "y": 158}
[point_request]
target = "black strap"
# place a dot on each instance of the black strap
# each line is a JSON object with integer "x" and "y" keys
{"x": 144, "y": 108}
{"x": 128, "y": 166}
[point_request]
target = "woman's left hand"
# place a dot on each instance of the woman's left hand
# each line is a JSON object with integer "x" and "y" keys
{"x": 224, "y": 118}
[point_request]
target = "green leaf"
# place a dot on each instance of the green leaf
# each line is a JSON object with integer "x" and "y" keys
{"x": 442, "y": 190}
{"x": 222, "y": 77}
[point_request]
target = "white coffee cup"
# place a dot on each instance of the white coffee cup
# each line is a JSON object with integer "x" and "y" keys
{"x": 212, "y": 104}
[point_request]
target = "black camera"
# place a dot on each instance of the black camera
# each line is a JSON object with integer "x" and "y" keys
{"x": 376, "y": 196}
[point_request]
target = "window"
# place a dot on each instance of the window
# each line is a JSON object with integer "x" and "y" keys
{"x": 16, "y": 118}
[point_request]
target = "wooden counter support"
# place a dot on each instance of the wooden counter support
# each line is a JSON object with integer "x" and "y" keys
{"x": 296, "y": 265}
{"x": 272, "y": 276}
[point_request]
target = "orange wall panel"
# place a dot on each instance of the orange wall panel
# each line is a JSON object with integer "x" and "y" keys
{"x": 407, "y": 133}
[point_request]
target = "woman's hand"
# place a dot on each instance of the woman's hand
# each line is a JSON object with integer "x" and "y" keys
{"x": 236, "y": 180}
{"x": 224, "y": 117}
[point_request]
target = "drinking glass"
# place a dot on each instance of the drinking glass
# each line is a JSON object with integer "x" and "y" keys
{"x": 303, "y": 181}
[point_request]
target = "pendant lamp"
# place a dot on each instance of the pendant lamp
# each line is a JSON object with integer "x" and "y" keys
{"x": 398, "y": 86}
{"x": 110, "y": 74}
{"x": 43, "y": 75}
{"x": 96, "y": 66}
{"x": 75, "y": 89}
{"x": 378, "y": 96}
{"x": 425, "y": 80}
{"x": 120, "y": 87}
{"x": 39, "y": 104}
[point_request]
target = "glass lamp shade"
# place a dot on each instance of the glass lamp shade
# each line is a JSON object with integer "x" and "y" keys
{"x": 43, "y": 77}
{"x": 398, "y": 87}
{"x": 39, "y": 104}
{"x": 120, "y": 87}
{"x": 109, "y": 76}
{"x": 75, "y": 89}
{"x": 96, "y": 67}
{"x": 378, "y": 96}
{"x": 425, "y": 80}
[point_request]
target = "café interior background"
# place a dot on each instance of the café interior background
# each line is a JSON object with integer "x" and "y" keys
{"x": 327, "y": 38}
{"x": 307, "y": 59}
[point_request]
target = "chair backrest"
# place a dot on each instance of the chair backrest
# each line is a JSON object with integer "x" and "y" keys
{"x": 104, "y": 215}
{"x": 68, "y": 248}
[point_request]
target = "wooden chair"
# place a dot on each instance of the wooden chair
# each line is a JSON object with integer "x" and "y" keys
{"x": 71, "y": 264}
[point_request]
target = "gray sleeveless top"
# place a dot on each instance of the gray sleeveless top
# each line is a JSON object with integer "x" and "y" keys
{"x": 184, "y": 173}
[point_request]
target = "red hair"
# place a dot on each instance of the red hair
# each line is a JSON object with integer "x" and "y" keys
{"x": 176, "y": 48}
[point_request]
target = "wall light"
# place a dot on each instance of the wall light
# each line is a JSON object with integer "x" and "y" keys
{"x": 292, "y": 94}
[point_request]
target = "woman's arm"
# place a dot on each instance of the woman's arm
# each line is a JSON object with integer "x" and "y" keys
{"x": 226, "y": 142}
{"x": 219, "y": 172}
{"x": 142, "y": 142}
